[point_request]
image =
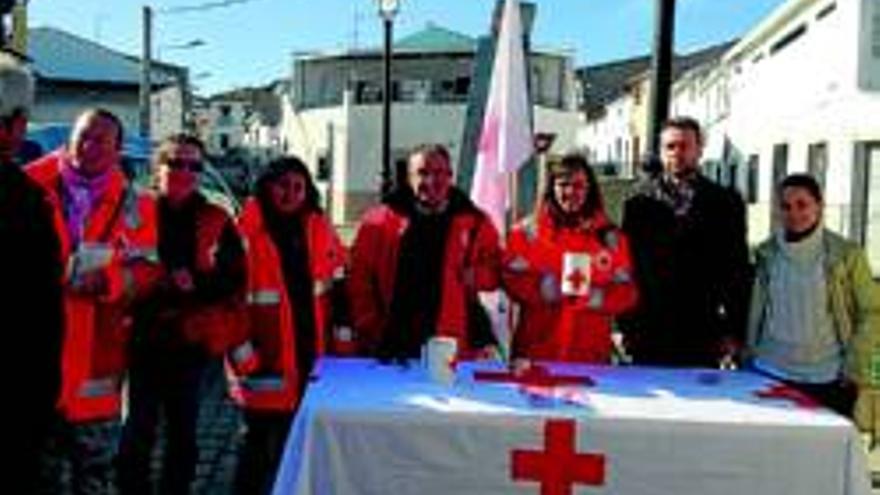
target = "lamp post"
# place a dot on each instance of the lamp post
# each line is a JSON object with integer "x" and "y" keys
{"x": 387, "y": 10}
{"x": 661, "y": 75}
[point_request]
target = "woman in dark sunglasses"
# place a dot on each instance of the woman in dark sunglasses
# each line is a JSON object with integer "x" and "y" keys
{"x": 188, "y": 321}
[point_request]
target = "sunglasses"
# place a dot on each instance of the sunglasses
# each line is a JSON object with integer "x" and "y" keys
{"x": 191, "y": 165}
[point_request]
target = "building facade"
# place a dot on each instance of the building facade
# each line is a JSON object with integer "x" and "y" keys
{"x": 804, "y": 89}
{"x": 799, "y": 92}
{"x": 74, "y": 73}
{"x": 332, "y": 114}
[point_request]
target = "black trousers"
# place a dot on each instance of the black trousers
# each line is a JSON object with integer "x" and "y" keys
{"x": 260, "y": 455}
{"x": 162, "y": 382}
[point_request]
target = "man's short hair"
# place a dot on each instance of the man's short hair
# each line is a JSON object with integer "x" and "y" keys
{"x": 167, "y": 145}
{"x": 16, "y": 86}
{"x": 686, "y": 124}
{"x": 431, "y": 149}
{"x": 99, "y": 113}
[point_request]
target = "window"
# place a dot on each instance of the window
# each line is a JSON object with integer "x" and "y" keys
{"x": 872, "y": 217}
{"x": 415, "y": 90}
{"x": 788, "y": 39}
{"x": 817, "y": 161}
{"x": 752, "y": 179}
{"x": 367, "y": 92}
{"x": 225, "y": 118}
{"x": 716, "y": 171}
{"x": 224, "y": 141}
{"x": 826, "y": 10}
{"x": 733, "y": 179}
{"x": 865, "y": 219}
{"x": 780, "y": 170}
{"x": 875, "y": 32}
{"x": 324, "y": 170}
{"x": 462, "y": 86}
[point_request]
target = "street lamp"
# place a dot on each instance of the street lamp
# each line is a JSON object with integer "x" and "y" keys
{"x": 387, "y": 10}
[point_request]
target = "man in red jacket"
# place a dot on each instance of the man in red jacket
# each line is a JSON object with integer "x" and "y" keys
{"x": 418, "y": 260}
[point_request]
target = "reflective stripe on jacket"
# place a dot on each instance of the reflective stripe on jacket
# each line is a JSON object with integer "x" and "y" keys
{"x": 98, "y": 329}
{"x": 272, "y": 382}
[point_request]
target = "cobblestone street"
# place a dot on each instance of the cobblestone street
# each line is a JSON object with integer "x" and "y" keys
{"x": 218, "y": 438}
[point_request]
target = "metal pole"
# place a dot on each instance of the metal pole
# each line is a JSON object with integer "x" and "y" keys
{"x": 661, "y": 72}
{"x": 145, "y": 71}
{"x": 386, "y": 110}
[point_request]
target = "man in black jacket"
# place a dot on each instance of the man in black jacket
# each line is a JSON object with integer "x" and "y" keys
{"x": 688, "y": 238}
{"x": 30, "y": 299}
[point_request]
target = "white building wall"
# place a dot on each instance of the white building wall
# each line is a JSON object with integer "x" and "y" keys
{"x": 808, "y": 92}
{"x": 822, "y": 87}
{"x": 608, "y": 140}
{"x": 166, "y": 112}
{"x": 351, "y": 135}
{"x": 61, "y": 105}
{"x": 231, "y": 126}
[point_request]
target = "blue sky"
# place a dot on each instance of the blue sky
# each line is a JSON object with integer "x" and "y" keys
{"x": 251, "y": 42}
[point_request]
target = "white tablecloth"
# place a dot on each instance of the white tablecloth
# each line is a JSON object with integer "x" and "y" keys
{"x": 364, "y": 428}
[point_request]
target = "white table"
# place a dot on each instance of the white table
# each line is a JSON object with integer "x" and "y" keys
{"x": 370, "y": 429}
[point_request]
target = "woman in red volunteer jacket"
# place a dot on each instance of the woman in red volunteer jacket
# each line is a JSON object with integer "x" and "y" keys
{"x": 294, "y": 256}
{"x": 108, "y": 234}
{"x": 569, "y": 268}
{"x": 183, "y": 325}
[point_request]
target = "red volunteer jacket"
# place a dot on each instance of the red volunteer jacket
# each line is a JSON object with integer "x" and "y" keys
{"x": 374, "y": 265}
{"x": 577, "y": 328}
{"x": 264, "y": 369}
{"x": 97, "y": 328}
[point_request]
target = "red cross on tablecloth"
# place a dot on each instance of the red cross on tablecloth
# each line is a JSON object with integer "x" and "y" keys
{"x": 558, "y": 467}
{"x": 577, "y": 279}
{"x": 535, "y": 376}
{"x": 781, "y": 391}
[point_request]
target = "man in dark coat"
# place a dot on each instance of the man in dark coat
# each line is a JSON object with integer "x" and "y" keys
{"x": 688, "y": 238}
{"x": 30, "y": 271}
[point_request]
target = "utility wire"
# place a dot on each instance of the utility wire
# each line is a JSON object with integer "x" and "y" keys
{"x": 185, "y": 9}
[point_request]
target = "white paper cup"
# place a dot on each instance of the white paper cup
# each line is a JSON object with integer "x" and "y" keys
{"x": 439, "y": 359}
{"x": 576, "y": 272}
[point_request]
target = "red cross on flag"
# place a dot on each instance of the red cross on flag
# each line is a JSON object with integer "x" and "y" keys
{"x": 558, "y": 467}
{"x": 575, "y": 274}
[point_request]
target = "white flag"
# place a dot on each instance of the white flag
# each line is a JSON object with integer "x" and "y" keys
{"x": 506, "y": 135}
{"x": 505, "y": 143}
